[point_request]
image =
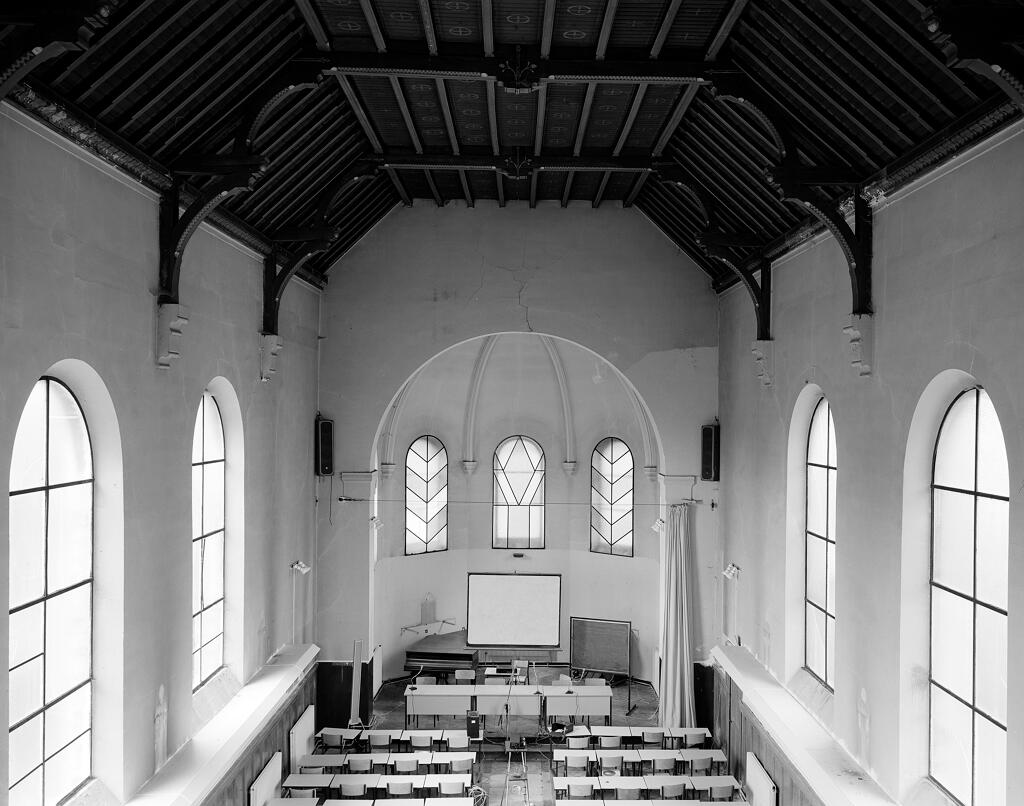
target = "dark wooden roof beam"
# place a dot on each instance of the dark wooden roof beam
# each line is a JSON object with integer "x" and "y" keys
{"x": 567, "y": 188}
{"x": 433, "y": 187}
{"x": 398, "y": 160}
{"x": 538, "y": 136}
{"x": 725, "y": 29}
{"x": 399, "y": 187}
{"x": 427, "y": 18}
{"x": 606, "y": 28}
{"x": 547, "y": 29}
{"x": 599, "y": 196}
{"x": 359, "y": 111}
{"x": 499, "y": 181}
{"x": 213, "y": 165}
{"x": 374, "y": 25}
{"x": 312, "y": 19}
{"x": 627, "y": 127}
{"x": 533, "y": 188}
{"x": 446, "y": 111}
{"x": 466, "y": 192}
{"x": 581, "y": 131}
{"x": 634, "y": 191}
{"x": 126, "y": 24}
{"x": 403, "y": 107}
{"x": 492, "y": 119}
{"x": 487, "y": 26}
{"x": 665, "y": 27}
{"x": 674, "y": 118}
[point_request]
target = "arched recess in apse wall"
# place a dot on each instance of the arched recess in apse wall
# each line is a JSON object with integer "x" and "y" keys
{"x": 469, "y": 398}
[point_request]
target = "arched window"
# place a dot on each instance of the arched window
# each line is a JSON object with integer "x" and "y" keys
{"x": 611, "y": 498}
{"x": 51, "y": 575}
{"x": 820, "y": 547}
{"x": 518, "y": 507}
{"x": 970, "y": 523}
{"x": 426, "y": 496}
{"x": 208, "y": 467}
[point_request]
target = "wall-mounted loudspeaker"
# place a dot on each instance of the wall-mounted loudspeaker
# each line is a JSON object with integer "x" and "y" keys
{"x": 323, "y": 452}
{"x": 709, "y": 451}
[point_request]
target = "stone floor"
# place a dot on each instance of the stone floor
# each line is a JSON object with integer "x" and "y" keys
{"x": 503, "y": 778}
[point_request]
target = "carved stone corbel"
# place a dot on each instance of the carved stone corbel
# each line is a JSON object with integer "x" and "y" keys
{"x": 763, "y": 351}
{"x": 171, "y": 319}
{"x": 468, "y": 466}
{"x": 270, "y": 348}
{"x": 860, "y": 333}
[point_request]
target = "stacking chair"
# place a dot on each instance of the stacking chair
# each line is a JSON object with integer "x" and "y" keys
{"x": 595, "y": 681}
{"x": 406, "y": 766}
{"x": 380, "y": 741}
{"x": 633, "y": 793}
{"x": 426, "y": 680}
{"x": 581, "y": 790}
{"x": 700, "y": 766}
{"x": 610, "y": 742}
{"x": 464, "y": 766}
{"x": 611, "y": 763}
{"x": 579, "y": 763}
{"x": 331, "y": 744}
{"x": 451, "y": 789}
{"x": 654, "y": 738}
{"x": 578, "y": 742}
{"x": 664, "y": 766}
{"x": 693, "y": 740}
{"x": 358, "y": 765}
{"x": 720, "y": 793}
{"x": 351, "y": 790}
{"x": 673, "y": 791}
{"x": 465, "y": 677}
{"x": 421, "y": 743}
{"x": 459, "y": 741}
{"x": 399, "y": 789}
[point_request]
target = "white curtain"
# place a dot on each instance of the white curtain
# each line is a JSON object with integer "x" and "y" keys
{"x": 676, "y": 650}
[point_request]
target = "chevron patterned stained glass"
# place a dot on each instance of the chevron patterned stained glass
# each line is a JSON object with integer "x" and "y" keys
{"x": 426, "y": 496}
{"x": 611, "y": 498}
{"x": 518, "y": 508}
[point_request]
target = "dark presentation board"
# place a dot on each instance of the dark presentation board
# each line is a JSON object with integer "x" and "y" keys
{"x": 520, "y": 610}
{"x": 599, "y": 645}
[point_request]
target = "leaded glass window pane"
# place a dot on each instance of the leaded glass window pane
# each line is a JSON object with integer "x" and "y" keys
{"x": 208, "y": 471}
{"x": 820, "y": 545}
{"x": 426, "y": 496}
{"x": 50, "y": 599}
{"x": 611, "y": 498}
{"x": 518, "y": 506}
{"x": 970, "y": 511}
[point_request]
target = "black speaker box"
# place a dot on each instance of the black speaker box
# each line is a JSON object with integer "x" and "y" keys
{"x": 709, "y": 451}
{"x": 324, "y": 447}
{"x": 472, "y": 724}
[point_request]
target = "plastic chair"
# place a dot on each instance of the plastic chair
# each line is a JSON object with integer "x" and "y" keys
{"x": 421, "y": 742}
{"x": 330, "y": 743}
{"x": 351, "y": 790}
{"x": 693, "y": 740}
{"x": 581, "y": 790}
{"x": 664, "y": 766}
{"x": 672, "y": 791}
{"x": 426, "y": 680}
{"x": 611, "y": 763}
{"x": 578, "y": 742}
{"x": 451, "y": 789}
{"x": 578, "y": 763}
{"x": 358, "y": 765}
{"x": 494, "y": 681}
{"x": 379, "y": 740}
{"x": 700, "y": 766}
{"x": 654, "y": 737}
{"x": 610, "y": 742}
{"x": 595, "y": 681}
{"x": 465, "y": 677}
{"x": 462, "y": 765}
{"x": 399, "y": 789}
{"x": 720, "y": 793}
{"x": 406, "y": 766}
{"x": 632, "y": 793}
{"x": 460, "y": 741}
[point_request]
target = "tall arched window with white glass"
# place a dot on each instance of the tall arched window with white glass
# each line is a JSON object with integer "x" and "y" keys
{"x": 426, "y": 496}
{"x": 518, "y": 505}
{"x": 611, "y": 498}
{"x": 51, "y": 576}
{"x": 208, "y": 468}
{"x": 820, "y": 547}
{"x": 970, "y": 531}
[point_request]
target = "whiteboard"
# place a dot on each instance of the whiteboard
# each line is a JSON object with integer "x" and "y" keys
{"x": 522, "y": 610}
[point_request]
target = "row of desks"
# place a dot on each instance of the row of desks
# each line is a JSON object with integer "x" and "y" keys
{"x": 521, "y": 700}
{"x": 635, "y": 758}
{"x": 392, "y": 734}
{"x": 645, "y": 783}
{"x": 371, "y": 802}
{"x": 386, "y": 758}
{"x": 319, "y": 781}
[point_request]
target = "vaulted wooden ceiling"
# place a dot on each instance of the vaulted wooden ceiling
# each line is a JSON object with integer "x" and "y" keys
{"x": 735, "y": 126}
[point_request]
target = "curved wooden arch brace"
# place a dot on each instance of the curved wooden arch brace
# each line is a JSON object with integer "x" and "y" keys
{"x": 176, "y": 230}
{"x": 275, "y": 279}
{"x": 472, "y": 400}
{"x": 735, "y": 89}
{"x": 295, "y": 77}
{"x": 760, "y": 292}
{"x": 569, "y": 464}
{"x": 59, "y": 27}
{"x": 360, "y": 171}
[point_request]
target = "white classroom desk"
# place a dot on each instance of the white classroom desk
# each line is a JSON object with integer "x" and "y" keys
{"x": 575, "y": 701}
{"x": 521, "y": 700}
{"x": 438, "y": 700}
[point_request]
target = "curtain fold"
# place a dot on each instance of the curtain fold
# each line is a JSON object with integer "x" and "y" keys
{"x": 676, "y": 704}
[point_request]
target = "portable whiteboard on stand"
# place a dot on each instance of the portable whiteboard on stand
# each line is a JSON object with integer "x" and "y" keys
{"x": 602, "y": 645}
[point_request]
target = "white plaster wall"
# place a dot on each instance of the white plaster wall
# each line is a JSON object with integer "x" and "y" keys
{"x": 427, "y": 279}
{"x": 948, "y": 294}
{"x": 78, "y": 271}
